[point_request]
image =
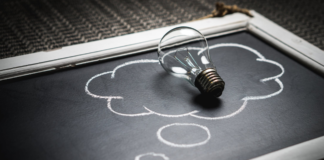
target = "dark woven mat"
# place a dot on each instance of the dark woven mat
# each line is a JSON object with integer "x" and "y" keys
{"x": 28, "y": 26}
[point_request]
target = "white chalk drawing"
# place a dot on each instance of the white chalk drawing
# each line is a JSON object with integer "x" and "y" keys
{"x": 151, "y": 154}
{"x": 245, "y": 100}
{"x": 148, "y": 111}
{"x": 158, "y": 133}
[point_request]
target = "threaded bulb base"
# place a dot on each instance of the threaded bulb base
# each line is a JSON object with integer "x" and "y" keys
{"x": 209, "y": 82}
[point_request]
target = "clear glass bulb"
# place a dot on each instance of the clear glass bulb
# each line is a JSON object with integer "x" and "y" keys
{"x": 183, "y": 52}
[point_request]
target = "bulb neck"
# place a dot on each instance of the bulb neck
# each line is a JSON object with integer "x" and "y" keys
{"x": 209, "y": 82}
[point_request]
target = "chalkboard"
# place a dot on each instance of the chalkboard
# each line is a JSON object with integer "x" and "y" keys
{"x": 130, "y": 108}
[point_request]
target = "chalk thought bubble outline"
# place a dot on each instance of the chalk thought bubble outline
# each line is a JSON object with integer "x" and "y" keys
{"x": 160, "y": 138}
{"x": 138, "y": 157}
{"x": 260, "y": 58}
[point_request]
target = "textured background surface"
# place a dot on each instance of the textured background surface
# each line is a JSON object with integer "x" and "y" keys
{"x": 28, "y": 26}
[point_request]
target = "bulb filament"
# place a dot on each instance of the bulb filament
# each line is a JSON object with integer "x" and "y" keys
{"x": 192, "y": 67}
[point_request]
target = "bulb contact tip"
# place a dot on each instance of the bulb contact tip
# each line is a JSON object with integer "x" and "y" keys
{"x": 209, "y": 82}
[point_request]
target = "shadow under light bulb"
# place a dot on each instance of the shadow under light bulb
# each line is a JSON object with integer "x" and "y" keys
{"x": 183, "y": 52}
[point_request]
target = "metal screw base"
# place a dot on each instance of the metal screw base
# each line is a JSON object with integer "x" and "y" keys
{"x": 209, "y": 82}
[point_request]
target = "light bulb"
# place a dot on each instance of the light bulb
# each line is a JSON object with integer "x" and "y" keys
{"x": 183, "y": 52}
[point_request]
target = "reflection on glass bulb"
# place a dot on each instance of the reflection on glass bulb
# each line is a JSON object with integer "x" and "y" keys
{"x": 184, "y": 53}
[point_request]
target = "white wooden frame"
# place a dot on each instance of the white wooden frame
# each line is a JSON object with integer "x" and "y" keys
{"x": 109, "y": 48}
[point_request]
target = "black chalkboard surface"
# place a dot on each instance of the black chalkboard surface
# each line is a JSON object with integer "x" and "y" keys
{"x": 130, "y": 108}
